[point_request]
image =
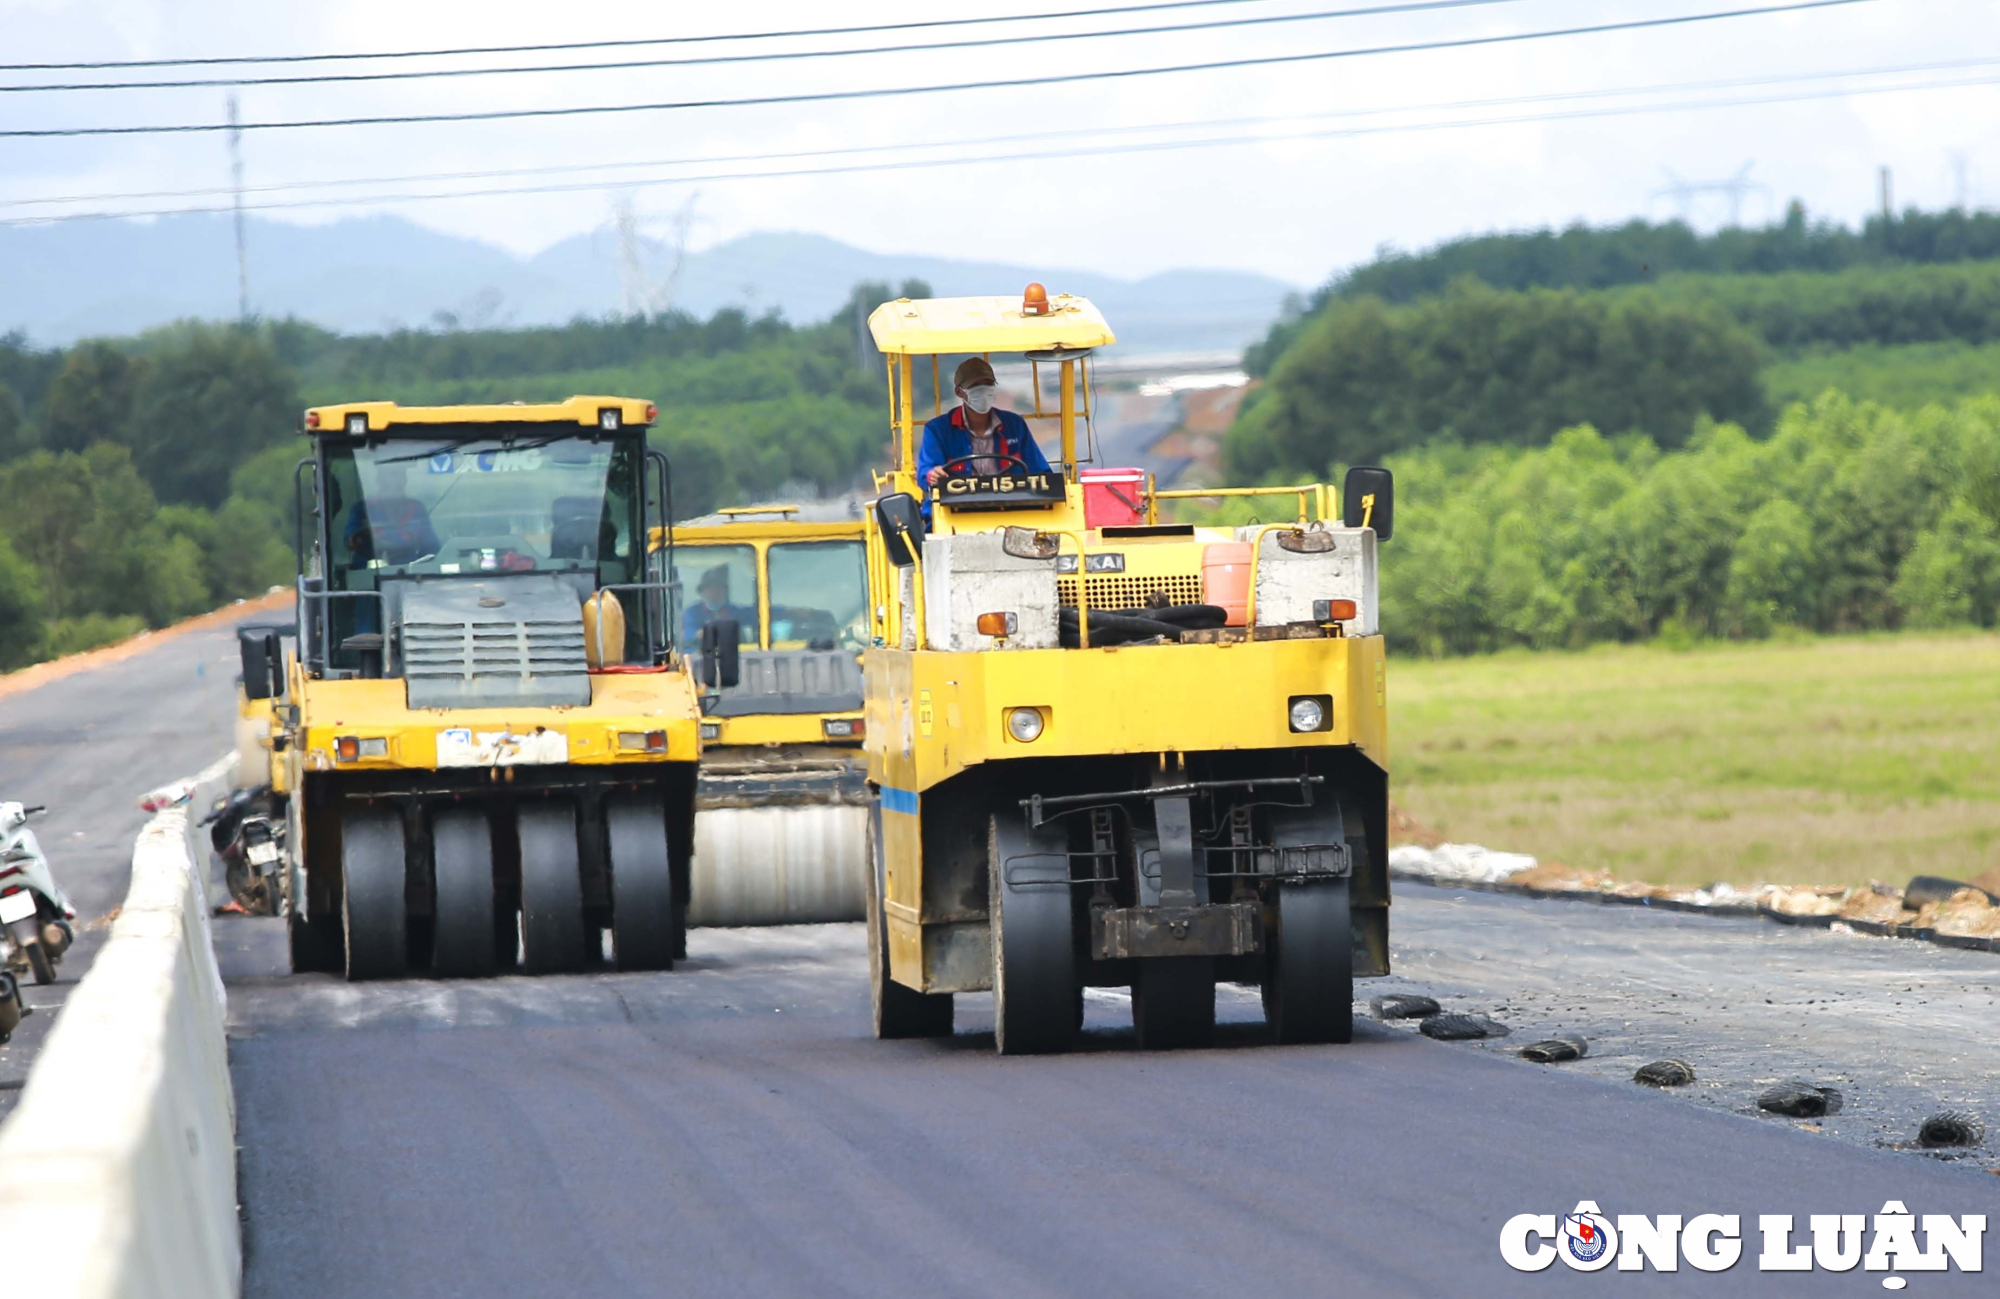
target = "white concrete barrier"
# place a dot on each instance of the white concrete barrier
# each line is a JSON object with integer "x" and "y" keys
{"x": 118, "y": 1168}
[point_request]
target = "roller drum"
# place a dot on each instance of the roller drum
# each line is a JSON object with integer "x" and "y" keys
{"x": 792, "y": 865}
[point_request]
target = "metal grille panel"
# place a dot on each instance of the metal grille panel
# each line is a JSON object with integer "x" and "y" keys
{"x": 1126, "y": 591}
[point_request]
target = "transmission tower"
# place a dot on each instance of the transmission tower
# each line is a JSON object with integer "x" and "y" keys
{"x": 236, "y": 180}
{"x": 639, "y": 293}
{"x": 1732, "y": 190}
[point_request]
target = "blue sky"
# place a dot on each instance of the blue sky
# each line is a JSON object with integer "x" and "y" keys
{"x": 1297, "y": 208}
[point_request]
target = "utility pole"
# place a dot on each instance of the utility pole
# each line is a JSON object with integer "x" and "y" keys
{"x": 1961, "y": 174}
{"x": 236, "y": 175}
{"x": 1888, "y": 189}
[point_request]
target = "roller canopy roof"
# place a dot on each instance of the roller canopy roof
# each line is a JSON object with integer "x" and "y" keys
{"x": 949, "y": 326}
{"x": 383, "y": 416}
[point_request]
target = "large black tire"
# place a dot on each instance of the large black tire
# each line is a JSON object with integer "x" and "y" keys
{"x": 1034, "y": 944}
{"x": 1173, "y": 1002}
{"x": 897, "y": 1011}
{"x": 552, "y": 928}
{"x": 373, "y": 912}
{"x": 645, "y": 918}
{"x": 462, "y": 945}
{"x": 316, "y": 945}
{"x": 1309, "y": 965}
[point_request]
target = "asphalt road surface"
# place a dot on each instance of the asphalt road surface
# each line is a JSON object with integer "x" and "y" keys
{"x": 88, "y": 745}
{"x": 730, "y": 1127}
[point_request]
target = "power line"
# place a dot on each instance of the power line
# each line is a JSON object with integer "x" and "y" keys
{"x": 1043, "y": 155}
{"x": 827, "y": 96}
{"x": 319, "y": 78}
{"x": 1680, "y": 87}
{"x": 628, "y": 43}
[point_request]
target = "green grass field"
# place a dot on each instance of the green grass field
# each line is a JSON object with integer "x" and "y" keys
{"x": 1830, "y": 760}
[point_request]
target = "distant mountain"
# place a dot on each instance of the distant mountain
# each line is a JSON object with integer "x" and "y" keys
{"x": 69, "y": 280}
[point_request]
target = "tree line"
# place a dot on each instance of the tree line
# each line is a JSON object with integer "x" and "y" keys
{"x": 1364, "y": 376}
{"x": 1849, "y": 517}
{"x": 1589, "y": 257}
{"x": 1364, "y": 379}
{"x": 150, "y": 478}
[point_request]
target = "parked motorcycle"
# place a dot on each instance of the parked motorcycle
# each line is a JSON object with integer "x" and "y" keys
{"x": 37, "y": 921}
{"x": 248, "y": 834}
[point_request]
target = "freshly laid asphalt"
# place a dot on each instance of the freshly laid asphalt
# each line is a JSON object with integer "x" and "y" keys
{"x": 731, "y": 1127}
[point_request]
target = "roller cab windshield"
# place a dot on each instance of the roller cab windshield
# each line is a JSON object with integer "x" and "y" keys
{"x": 448, "y": 505}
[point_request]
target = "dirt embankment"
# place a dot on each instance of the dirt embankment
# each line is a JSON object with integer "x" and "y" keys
{"x": 40, "y": 673}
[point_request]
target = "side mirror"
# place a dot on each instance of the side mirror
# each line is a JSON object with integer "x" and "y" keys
{"x": 261, "y": 657}
{"x": 902, "y": 522}
{"x": 721, "y": 661}
{"x": 1368, "y": 500}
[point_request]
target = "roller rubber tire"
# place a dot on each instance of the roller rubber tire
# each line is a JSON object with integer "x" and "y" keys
{"x": 1309, "y": 972}
{"x": 316, "y": 945}
{"x": 552, "y": 929}
{"x": 372, "y": 909}
{"x": 645, "y": 919}
{"x": 1173, "y": 1002}
{"x": 462, "y": 945}
{"x": 1034, "y": 950}
{"x": 897, "y": 1011}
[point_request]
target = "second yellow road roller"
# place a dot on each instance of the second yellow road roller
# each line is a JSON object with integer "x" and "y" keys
{"x": 488, "y": 735}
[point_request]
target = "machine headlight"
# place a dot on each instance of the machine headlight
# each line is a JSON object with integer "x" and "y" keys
{"x": 844, "y": 728}
{"x": 1024, "y": 724}
{"x": 357, "y": 425}
{"x": 711, "y": 730}
{"x": 1310, "y": 712}
{"x": 609, "y": 419}
{"x": 643, "y": 741}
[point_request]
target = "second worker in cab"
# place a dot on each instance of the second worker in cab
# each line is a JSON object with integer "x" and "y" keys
{"x": 975, "y": 437}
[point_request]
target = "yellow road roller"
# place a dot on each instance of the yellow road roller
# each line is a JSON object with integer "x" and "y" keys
{"x": 1122, "y": 752}
{"x": 489, "y": 738}
{"x": 781, "y": 824}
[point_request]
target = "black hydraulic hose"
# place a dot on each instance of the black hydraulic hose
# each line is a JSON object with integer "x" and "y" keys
{"x": 1114, "y": 629}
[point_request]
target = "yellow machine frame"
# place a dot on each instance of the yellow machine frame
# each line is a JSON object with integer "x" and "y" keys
{"x": 753, "y": 526}
{"x": 356, "y": 738}
{"x": 934, "y": 717}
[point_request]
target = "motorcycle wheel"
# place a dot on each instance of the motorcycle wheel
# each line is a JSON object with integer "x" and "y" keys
{"x": 41, "y": 962}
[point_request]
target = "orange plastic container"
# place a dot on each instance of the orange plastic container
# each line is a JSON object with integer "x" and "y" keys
{"x": 1225, "y": 578}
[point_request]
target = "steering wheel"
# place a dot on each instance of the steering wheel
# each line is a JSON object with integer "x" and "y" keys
{"x": 963, "y": 465}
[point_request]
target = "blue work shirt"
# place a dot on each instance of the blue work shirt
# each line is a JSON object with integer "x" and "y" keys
{"x": 946, "y": 439}
{"x": 699, "y": 615}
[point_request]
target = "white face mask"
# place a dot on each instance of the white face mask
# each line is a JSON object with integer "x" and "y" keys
{"x": 980, "y": 398}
